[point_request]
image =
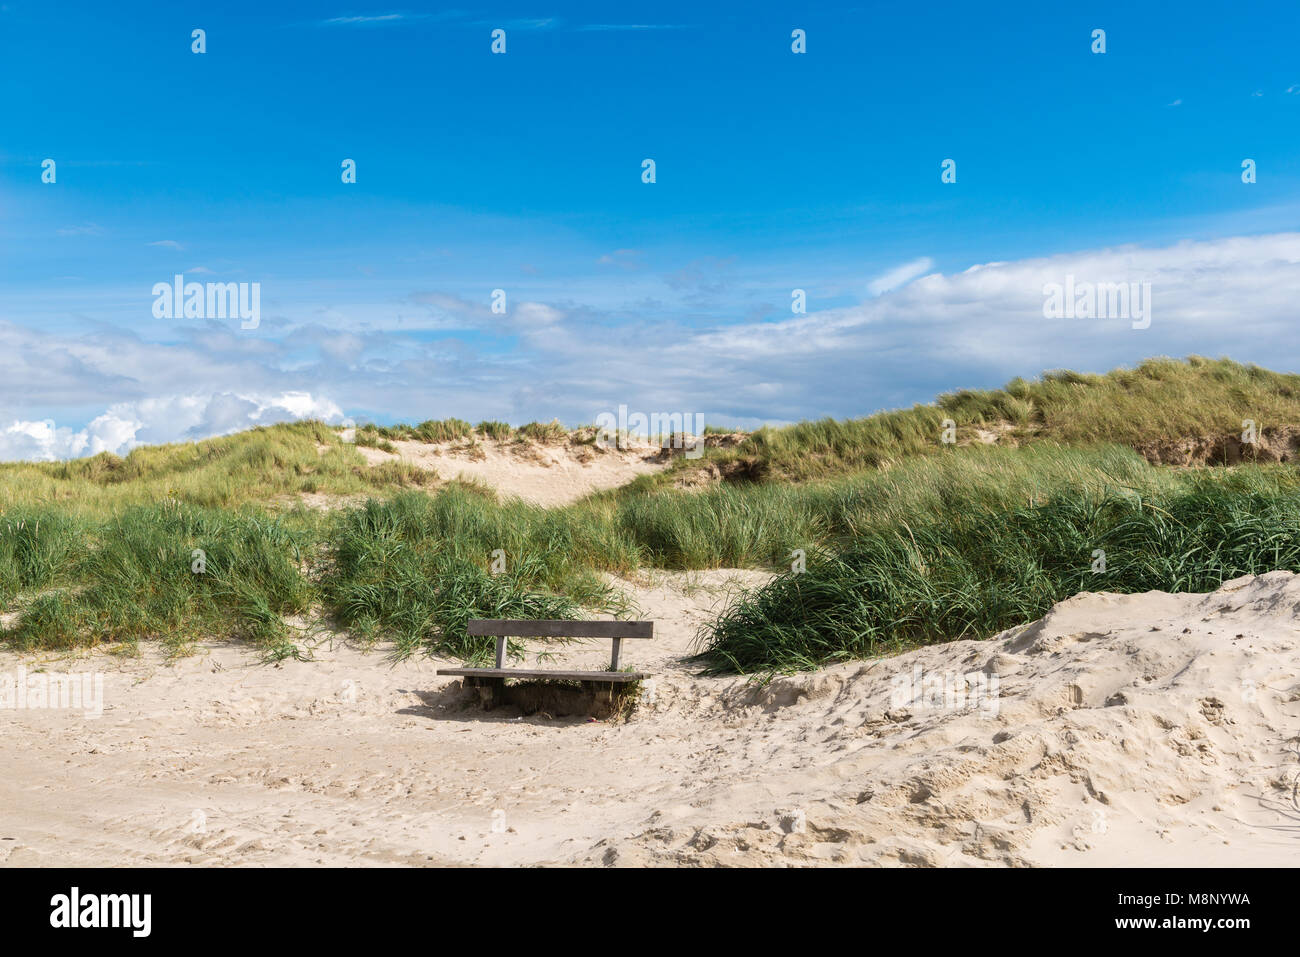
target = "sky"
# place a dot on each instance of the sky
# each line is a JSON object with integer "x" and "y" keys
{"x": 522, "y": 172}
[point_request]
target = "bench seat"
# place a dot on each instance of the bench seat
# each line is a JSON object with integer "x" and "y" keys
{"x": 611, "y": 676}
{"x": 491, "y": 682}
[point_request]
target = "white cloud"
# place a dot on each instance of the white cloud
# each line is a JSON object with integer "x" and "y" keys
{"x": 125, "y": 425}
{"x": 623, "y": 258}
{"x": 900, "y": 275}
{"x": 974, "y": 328}
{"x": 354, "y": 21}
{"x": 532, "y": 314}
{"x": 82, "y": 229}
{"x": 604, "y": 27}
{"x": 571, "y": 354}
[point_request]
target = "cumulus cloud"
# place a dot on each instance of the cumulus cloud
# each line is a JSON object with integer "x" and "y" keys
{"x": 425, "y": 355}
{"x": 978, "y": 327}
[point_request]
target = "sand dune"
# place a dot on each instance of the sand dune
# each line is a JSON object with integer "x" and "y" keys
{"x": 1130, "y": 730}
{"x": 540, "y": 473}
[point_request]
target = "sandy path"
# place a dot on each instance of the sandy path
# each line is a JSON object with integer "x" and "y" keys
{"x": 1111, "y": 742}
{"x": 344, "y": 760}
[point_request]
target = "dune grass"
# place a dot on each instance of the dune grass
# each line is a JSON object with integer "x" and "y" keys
{"x": 450, "y": 430}
{"x": 1158, "y": 400}
{"x": 544, "y": 432}
{"x": 415, "y": 566}
{"x": 906, "y": 539}
{"x": 760, "y": 524}
{"x": 976, "y": 572}
{"x": 36, "y": 548}
{"x": 494, "y": 430}
{"x": 257, "y": 466}
{"x": 171, "y": 572}
{"x": 431, "y": 430}
{"x": 415, "y": 569}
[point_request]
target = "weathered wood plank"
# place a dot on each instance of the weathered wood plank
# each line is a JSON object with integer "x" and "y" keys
{"x": 561, "y": 629}
{"x": 611, "y": 676}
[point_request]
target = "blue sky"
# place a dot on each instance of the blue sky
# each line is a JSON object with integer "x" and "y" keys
{"x": 522, "y": 172}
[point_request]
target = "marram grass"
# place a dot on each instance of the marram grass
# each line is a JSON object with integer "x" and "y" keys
{"x": 973, "y": 575}
{"x": 1159, "y": 400}
{"x": 417, "y": 568}
{"x": 414, "y": 567}
{"x": 175, "y": 573}
{"x": 907, "y": 540}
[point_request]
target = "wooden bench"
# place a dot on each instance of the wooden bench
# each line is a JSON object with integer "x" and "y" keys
{"x": 616, "y": 631}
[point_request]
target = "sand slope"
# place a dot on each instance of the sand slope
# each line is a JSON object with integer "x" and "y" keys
{"x": 1146, "y": 729}
{"x": 540, "y": 473}
{"x": 1130, "y": 730}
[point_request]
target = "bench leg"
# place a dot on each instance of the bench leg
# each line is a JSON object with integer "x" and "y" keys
{"x": 616, "y": 654}
{"x": 491, "y": 691}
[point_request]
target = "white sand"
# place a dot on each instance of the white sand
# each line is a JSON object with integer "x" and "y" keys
{"x": 1138, "y": 730}
{"x": 543, "y": 474}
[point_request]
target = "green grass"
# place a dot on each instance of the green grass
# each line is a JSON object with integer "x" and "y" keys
{"x": 976, "y": 572}
{"x": 1160, "y": 399}
{"x": 759, "y": 524}
{"x": 258, "y": 466}
{"x": 417, "y": 568}
{"x": 907, "y": 539}
{"x": 498, "y": 431}
{"x": 547, "y": 432}
{"x": 431, "y": 430}
{"x": 414, "y": 566}
{"x": 175, "y": 573}
{"x": 36, "y": 548}
{"x": 370, "y": 438}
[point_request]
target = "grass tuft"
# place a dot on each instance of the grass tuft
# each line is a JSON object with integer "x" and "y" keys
{"x": 974, "y": 574}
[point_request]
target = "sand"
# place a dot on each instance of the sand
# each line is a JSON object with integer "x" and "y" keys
{"x": 1122, "y": 730}
{"x": 541, "y": 473}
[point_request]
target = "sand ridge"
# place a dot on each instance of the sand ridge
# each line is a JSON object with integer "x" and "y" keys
{"x": 542, "y": 473}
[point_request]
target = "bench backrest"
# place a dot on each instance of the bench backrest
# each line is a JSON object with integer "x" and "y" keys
{"x": 561, "y": 629}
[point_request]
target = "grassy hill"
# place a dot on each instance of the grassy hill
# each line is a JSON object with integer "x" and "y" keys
{"x": 1160, "y": 402}
{"x": 261, "y": 465}
{"x": 906, "y": 538}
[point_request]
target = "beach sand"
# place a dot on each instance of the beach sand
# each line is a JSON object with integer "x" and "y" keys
{"x": 1124, "y": 730}
{"x": 546, "y": 474}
